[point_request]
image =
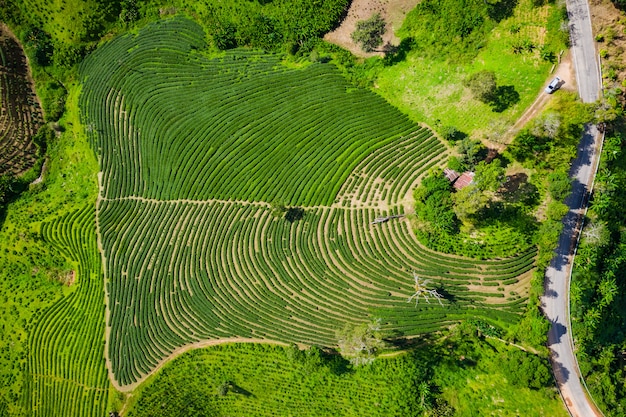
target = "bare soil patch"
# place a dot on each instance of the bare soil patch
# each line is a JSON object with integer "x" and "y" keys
{"x": 393, "y": 11}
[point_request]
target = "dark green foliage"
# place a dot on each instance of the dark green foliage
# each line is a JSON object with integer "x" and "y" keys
{"x": 52, "y": 96}
{"x": 452, "y": 134}
{"x": 489, "y": 177}
{"x": 527, "y": 146}
{"x": 599, "y": 285}
{"x": 526, "y": 370}
{"x": 43, "y": 138}
{"x": 66, "y": 56}
{"x": 7, "y": 182}
{"x": 433, "y": 203}
{"x": 293, "y": 25}
{"x": 453, "y": 28}
{"x": 559, "y": 185}
{"x": 41, "y": 44}
{"x": 471, "y": 151}
{"x": 129, "y": 11}
{"x": 369, "y": 33}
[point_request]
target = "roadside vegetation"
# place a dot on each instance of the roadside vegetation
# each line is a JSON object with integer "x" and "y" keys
{"x": 597, "y": 289}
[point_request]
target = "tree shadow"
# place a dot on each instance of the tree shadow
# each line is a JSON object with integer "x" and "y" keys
{"x": 502, "y": 10}
{"x": 449, "y": 297}
{"x": 517, "y": 189}
{"x": 294, "y": 214}
{"x": 236, "y": 389}
{"x": 335, "y": 362}
{"x": 561, "y": 373}
{"x": 504, "y": 97}
{"x": 395, "y": 54}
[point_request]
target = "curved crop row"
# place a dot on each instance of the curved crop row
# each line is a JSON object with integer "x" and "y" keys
{"x": 20, "y": 114}
{"x": 193, "y": 148}
{"x": 260, "y": 125}
{"x": 181, "y": 272}
{"x": 387, "y": 174}
{"x": 68, "y": 374}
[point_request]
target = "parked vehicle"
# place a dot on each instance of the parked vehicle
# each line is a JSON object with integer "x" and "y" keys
{"x": 553, "y": 86}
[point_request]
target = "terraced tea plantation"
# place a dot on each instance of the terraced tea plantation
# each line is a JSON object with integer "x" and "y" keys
{"x": 20, "y": 114}
{"x": 193, "y": 149}
{"x": 67, "y": 370}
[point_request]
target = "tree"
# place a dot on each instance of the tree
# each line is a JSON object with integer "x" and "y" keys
{"x": 559, "y": 185}
{"x": 452, "y": 134}
{"x": 6, "y": 187}
{"x": 548, "y": 125}
{"x": 470, "y": 152}
{"x": 526, "y": 370}
{"x": 359, "y": 343}
{"x": 278, "y": 209}
{"x": 433, "y": 203}
{"x": 468, "y": 202}
{"x": 489, "y": 177}
{"x": 369, "y": 33}
{"x": 483, "y": 85}
{"x": 422, "y": 291}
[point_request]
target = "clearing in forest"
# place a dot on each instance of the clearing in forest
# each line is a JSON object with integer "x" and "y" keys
{"x": 194, "y": 147}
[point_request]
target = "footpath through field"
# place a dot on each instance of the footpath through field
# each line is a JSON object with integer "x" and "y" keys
{"x": 555, "y": 301}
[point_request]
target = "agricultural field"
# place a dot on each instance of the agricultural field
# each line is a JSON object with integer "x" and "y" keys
{"x": 67, "y": 369}
{"x": 52, "y": 311}
{"x": 20, "y": 112}
{"x": 270, "y": 380}
{"x": 193, "y": 147}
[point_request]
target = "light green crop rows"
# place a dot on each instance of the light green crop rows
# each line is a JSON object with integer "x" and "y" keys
{"x": 66, "y": 371}
{"x": 175, "y": 118}
{"x": 188, "y": 271}
{"x": 191, "y": 151}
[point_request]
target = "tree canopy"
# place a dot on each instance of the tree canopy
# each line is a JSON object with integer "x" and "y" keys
{"x": 369, "y": 33}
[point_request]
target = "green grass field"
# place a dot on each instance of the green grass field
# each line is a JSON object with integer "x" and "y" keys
{"x": 430, "y": 89}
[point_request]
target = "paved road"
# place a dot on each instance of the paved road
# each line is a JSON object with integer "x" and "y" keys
{"x": 556, "y": 298}
{"x": 583, "y": 49}
{"x": 555, "y": 301}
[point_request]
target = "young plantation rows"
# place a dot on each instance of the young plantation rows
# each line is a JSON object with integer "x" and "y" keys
{"x": 183, "y": 272}
{"x": 387, "y": 175}
{"x": 20, "y": 114}
{"x": 67, "y": 373}
{"x": 193, "y": 149}
{"x": 174, "y": 118}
